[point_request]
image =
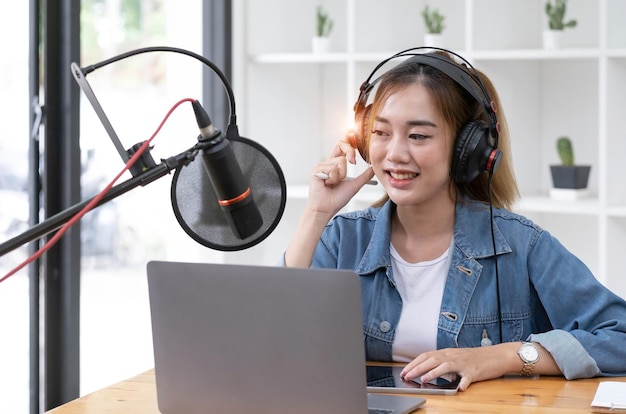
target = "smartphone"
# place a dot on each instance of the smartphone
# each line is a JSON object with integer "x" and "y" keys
{"x": 386, "y": 379}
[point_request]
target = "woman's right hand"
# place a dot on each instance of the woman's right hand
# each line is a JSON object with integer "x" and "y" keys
{"x": 326, "y": 197}
{"x": 329, "y": 195}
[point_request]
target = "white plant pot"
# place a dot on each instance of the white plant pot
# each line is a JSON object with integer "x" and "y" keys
{"x": 320, "y": 44}
{"x": 552, "y": 39}
{"x": 433, "y": 39}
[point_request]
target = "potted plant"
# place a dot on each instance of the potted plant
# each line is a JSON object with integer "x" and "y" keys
{"x": 556, "y": 23}
{"x": 434, "y": 26}
{"x": 568, "y": 179}
{"x": 323, "y": 28}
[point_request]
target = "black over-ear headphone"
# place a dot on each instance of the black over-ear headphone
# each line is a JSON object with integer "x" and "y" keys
{"x": 476, "y": 145}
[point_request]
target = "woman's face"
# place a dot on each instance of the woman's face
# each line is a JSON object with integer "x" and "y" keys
{"x": 410, "y": 148}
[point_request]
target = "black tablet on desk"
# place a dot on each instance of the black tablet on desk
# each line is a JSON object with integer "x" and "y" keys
{"x": 386, "y": 379}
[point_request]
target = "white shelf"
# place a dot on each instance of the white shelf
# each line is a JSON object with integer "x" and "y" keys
{"x": 616, "y": 53}
{"x": 501, "y": 54}
{"x": 616, "y": 211}
{"x": 300, "y": 58}
{"x": 535, "y": 54}
{"x": 544, "y": 204}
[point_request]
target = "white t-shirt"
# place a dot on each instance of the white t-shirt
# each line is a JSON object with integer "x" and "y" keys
{"x": 421, "y": 288}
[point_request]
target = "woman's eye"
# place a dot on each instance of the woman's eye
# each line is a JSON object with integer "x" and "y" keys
{"x": 378, "y": 132}
{"x": 418, "y": 136}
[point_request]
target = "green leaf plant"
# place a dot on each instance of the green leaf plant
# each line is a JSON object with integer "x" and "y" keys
{"x": 433, "y": 20}
{"x": 324, "y": 24}
{"x": 556, "y": 15}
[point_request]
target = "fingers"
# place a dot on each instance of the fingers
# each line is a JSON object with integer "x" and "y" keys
{"x": 431, "y": 365}
{"x": 331, "y": 171}
{"x": 425, "y": 367}
{"x": 464, "y": 383}
{"x": 344, "y": 149}
{"x": 334, "y": 169}
{"x": 438, "y": 371}
{"x": 471, "y": 364}
{"x": 365, "y": 178}
{"x": 412, "y": 370}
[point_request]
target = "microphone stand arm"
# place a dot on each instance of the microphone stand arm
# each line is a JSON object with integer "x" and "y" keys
{"x": 59, "y": 219}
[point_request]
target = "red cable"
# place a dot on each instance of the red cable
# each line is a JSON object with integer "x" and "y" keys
{"x": 96, "y": 199}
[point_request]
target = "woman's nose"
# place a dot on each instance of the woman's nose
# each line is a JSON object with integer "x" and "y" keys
{"x": 397, "y": 150}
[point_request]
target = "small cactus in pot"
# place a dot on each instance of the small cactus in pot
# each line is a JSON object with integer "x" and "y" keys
{"x": 568, "y": 175}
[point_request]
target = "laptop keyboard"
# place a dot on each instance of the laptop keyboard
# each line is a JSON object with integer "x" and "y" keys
{"x": 379, "y": 411}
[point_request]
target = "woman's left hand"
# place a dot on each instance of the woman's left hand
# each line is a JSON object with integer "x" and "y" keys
{"x": 471, "y": 364}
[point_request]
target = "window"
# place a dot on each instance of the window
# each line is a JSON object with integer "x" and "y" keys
{"x": 14, "y": 114}
{"x": 119, "y": 237}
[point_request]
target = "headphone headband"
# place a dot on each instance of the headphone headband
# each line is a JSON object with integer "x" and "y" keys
{"x": 470, "y": 82}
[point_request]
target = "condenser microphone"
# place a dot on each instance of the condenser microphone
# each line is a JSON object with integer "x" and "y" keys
{"x": 227, "y": 179}
{"x": 214, "y": 181}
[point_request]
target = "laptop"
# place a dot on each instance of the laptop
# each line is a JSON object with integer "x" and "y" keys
{"x": 244, "y": 339}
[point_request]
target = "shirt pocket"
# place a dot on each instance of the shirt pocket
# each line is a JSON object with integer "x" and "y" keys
{"x": 486, "y": 330}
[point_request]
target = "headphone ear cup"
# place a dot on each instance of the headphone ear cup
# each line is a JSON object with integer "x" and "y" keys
{"x": 359, "y": 138}
{"x": 474, "y": 153}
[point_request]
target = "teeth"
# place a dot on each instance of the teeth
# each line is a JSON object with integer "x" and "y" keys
{"x": 402, "y": 176}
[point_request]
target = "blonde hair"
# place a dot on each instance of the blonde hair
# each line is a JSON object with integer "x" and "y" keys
{"x": 457, "y": 108}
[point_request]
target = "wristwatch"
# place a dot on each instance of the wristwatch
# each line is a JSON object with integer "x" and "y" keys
{"x": 529, "y": 354}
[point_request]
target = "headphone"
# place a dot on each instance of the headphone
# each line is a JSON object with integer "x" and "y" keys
{"x": 476, "y": 144}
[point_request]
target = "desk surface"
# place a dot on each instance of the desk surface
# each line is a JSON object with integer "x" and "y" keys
{"x": 511, "y": 395}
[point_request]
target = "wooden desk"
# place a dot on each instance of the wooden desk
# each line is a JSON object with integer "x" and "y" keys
{"x": 137, "y": 395}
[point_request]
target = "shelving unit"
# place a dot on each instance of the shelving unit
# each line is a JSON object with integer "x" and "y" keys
{"x": 298, "y": 104}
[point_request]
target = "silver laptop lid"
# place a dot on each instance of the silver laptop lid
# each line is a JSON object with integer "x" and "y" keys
{"x": 232, "y": 338}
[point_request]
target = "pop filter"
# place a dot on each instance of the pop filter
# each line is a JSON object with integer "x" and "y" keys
{"x": 196, "y": 206}
{"x": 213, "y": 216}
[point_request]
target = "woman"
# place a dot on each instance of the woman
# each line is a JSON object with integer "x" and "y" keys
{"x": 434, "y": 294}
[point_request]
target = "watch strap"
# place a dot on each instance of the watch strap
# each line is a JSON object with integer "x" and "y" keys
{"x": 529, "y": 365}
{"x": 528, "y": 368}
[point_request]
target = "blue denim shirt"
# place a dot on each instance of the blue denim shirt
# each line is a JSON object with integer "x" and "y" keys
{"x": 547, "y": 294}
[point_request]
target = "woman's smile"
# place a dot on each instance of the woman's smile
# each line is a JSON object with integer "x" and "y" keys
{"x": 402, "y": 176}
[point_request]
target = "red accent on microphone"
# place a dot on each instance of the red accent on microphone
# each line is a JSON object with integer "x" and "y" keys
{"x": 240, "y": 197}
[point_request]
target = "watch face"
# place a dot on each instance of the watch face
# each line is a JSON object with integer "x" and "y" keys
{"x": 529, "y": 353}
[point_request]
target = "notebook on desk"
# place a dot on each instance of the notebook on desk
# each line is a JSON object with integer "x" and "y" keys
{"x": 244, "y": 339}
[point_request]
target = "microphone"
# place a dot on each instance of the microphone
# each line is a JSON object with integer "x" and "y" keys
{"x": 228, "y": 217}
{"x": 229, "y": 183}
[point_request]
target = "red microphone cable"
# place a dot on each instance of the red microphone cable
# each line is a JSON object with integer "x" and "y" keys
{"x": 96, "y": 199}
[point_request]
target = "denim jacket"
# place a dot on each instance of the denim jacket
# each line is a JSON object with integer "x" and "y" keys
{"x": 547, "y": 295}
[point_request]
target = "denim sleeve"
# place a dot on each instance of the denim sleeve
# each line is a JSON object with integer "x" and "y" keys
{"x": 568, "y": 354}
{"x": 588, "y": 336}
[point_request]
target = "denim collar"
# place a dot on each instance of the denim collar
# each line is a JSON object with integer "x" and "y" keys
{"x": 472, "y": 229}
{"x": 472, "y": 235}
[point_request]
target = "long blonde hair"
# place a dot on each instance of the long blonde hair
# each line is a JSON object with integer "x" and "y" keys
{"x": 457, "y": 108}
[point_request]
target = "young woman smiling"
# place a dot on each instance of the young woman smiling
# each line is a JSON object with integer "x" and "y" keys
{"x": 452, "y": 281}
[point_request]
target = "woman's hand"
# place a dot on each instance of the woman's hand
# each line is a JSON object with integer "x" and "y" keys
{"x": 326, "y": 197}
{"x": 329, "y": 195}
{"x": 471, "y": 364}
